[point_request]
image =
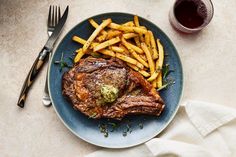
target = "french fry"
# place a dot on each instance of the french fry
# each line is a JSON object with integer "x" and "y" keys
{"x": 101, "y": 38}
{"x": 129, "y": 35}
{"x": 135, "y": 48}
{"x": 133, "y": 53}
{"x": 126, "y": 51}
{"x": 147, "y": 39}
{"x": 127, "y": 28}
{"x": 95, "y": 25}
{"x": 82, "y": 41}
{"x": 159, "y": 80}
{"x": 116, "y": 49}
{"x": 144, "y": 73}
{"x": 136, "y": 22}
{"x": 136, "y": 39}
{"x": 112, "y": 33}
{"x": 149, "y": 57}
{"x": 133, "y": 66}
{"x": 159, "y": 62}
{"x": 129, "y": 60}
{"x": 153, "y": 45}
{"x": 154, "y": 83}
{"x": 79, "y": 55}
{"x": 154, "y": 75}
{"x": 129, "y": 23}
{"x": 107, "y": 52}
{"x": 106, "y": 44}
{"x": 143, "y": 57}
{"x": 95, "y": 33}
{"x": 78, "y": 40}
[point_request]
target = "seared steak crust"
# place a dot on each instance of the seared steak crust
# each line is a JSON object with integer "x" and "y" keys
{"x": 82, "y": 85}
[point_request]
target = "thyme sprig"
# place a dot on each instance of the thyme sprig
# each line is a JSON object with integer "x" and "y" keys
{"x": 62, "y": 63}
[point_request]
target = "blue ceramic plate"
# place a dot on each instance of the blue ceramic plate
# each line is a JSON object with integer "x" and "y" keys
{"x": 86, "y": 128}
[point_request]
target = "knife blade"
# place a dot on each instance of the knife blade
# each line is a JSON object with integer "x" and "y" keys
{"x": 41, "y": 59}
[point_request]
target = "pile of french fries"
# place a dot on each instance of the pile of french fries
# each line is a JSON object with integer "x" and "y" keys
{"x": 130, "y": 42}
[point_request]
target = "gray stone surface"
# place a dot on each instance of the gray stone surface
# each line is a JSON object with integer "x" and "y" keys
{"x": 209, "y": 62}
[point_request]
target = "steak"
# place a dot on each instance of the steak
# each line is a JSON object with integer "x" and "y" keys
{"x": 126, "y": 91}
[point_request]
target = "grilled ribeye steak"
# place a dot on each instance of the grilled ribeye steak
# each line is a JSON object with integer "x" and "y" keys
{"x": 108, "y": 88}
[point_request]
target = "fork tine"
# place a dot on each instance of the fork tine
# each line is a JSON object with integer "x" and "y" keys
{"x": 56, "y": 20}
{"x": 49, "y": 16}
{"x": 59, "y": 12}
{"x": 53, "y": 24}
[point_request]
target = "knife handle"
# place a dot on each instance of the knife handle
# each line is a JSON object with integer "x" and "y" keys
{"x": 36, "y": 67}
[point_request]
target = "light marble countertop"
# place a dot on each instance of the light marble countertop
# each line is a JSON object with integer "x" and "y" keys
{"x": 208, "y": 58}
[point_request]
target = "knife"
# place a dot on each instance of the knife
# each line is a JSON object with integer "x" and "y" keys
{"x": 41, "y": 59}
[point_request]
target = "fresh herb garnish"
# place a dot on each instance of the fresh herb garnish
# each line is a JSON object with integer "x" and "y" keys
{"x": 140, "y": 125}
{"x": 103, "y": 129}
{"x": 113, "y": 126}
{"x": 124, "y": 133}
{"x": 62, "y": 63}
{"x": 166, "y": 70}
{"x": 167, "y": 84}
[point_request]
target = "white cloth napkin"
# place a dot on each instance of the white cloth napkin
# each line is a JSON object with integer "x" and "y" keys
{"x": 199, "y": 129}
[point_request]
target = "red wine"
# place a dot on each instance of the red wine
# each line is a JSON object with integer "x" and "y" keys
{"x": 190, "y": 13}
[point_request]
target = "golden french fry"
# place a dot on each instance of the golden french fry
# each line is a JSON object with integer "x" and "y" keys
{"x": 141, "y": 38}
{"x": 116, "y": 49}
{"x": 142, "y": 72}
{"x": 107, "y": 52}
{"x": 95, "y": 33}
{"x": 95, "y": 25}
{"x": 154, "y": 75}
{"x": 135, "y": 48}
{"x": 147, "y": 39}
{"x": 149, "y": 57}
{"x": 112, "y": 33}
{"x": 129, "y": 23}
{"x": 106, "y": 44}
{"x": 126, "y": 51}
{"x": 133, "y": 53}
{"x": 129, "y": 35}
{"x": 153, "y": 45}
{"x": 129, "y": 60}
{"x": 79, "y": 55}
{"x": 136, "y": 22}
{"x": 127, "y": 28}
{"x": 82, "y": 41}
{"x": 101, "y": 38}
{"x": 136, "y": 39}
{"x": 78, "y": 39}
{"x": 159, "y": 62}
{"x": 133, "y": 66}
{"x": 159, "y": 80}
{"x": 143, "y": 57}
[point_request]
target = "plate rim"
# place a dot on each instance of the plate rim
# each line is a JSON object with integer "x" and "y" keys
{"x": 141, "y": 141}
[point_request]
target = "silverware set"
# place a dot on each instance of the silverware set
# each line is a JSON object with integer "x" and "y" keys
{"x": 54, "y": 26}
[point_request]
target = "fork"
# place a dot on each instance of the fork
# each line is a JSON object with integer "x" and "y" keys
{"x": 54, "y": 16}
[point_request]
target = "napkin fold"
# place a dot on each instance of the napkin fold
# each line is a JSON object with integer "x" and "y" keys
{"x": 207, "y": 117}
{"x": 199, "y": 129}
